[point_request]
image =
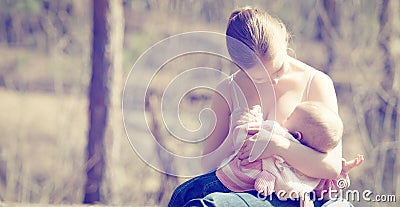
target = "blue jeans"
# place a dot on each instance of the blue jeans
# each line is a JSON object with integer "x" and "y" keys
{"x": 196, "y": 188}
{"x": 245, "y": 199}
{"x": 207, "y": 190}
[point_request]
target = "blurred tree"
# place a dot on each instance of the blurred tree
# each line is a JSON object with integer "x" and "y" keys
{"x": 166, "y": 160}
{"x": 15, "y": 17}
{"x": 384, "y": 42}
{"x": 379, "y": 105}
{"x": 389, "y": 99}
{"x": 103, "y": 91}
{"x": 35, "y": 23}
{"x": 327, "y": 24}
{"x": 211, "y": 10}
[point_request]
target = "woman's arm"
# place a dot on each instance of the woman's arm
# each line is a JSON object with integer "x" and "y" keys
{"x": 312, "y": 163}
{"x": 216, "y": 149}
{"x": 301, "y": 157}
{"x": 323, "y": 90}
{"x": 319, "y": 165}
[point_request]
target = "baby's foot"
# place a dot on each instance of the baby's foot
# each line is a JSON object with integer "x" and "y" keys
{"x": 348, "y": 165}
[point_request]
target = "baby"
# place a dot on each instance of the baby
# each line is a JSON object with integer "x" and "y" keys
{"x": 311, "y": 124}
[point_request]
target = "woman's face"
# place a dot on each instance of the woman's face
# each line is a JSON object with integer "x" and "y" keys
{"x": 261, "y": 73}
{"x": 258, "y": 74}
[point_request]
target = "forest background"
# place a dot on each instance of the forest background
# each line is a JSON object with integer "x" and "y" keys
{"x": 45, "y": 73}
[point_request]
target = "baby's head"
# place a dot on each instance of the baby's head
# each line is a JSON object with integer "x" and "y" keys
{"x": 315, "y": 125}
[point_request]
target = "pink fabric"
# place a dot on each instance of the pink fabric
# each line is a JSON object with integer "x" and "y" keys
{"x": 272, "y": 174}
{"x": 265, "y": 176}
{"x": 265, "y": 182}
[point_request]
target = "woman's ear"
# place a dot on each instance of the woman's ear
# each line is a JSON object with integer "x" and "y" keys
{"x": 299, "y": 135}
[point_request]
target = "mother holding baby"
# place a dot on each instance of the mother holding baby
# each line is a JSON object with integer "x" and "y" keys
{"x": 268, "y": 77}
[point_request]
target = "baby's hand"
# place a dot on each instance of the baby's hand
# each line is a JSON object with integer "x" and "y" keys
{"x": 256, "y": 111}
{"x": 244, "y": 118}
{"x": 254, "y": 126}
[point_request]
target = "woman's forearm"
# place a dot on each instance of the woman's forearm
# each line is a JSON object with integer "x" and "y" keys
{"x": 311, "y": 162}
{"x": 212, "y": 159}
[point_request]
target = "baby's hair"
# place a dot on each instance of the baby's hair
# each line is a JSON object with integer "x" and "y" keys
{"x": 252, "y": 33}
{"x": 323, "y": 127}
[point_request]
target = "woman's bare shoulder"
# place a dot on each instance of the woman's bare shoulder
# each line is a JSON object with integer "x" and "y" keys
{"x": 299, "y": 65}
{"x": 322, "y": 89}
{"x": 321, "y": 85}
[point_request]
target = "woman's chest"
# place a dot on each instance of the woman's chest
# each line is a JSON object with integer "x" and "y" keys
{"x": 277, "y": 103}
{"x": 284, "y": 105}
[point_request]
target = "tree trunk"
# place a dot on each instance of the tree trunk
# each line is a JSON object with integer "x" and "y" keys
{"x": 106, "y": 47}
{"x": 327, "y": 29}
{"x": 115, "y": 133}
{"x": 384, "y": 39}
{"x": 387, "y": 111}
{"x": 167, "y": 161}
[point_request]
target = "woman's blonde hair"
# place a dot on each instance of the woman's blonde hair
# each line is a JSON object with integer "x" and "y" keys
{"x": 251, "y": 34}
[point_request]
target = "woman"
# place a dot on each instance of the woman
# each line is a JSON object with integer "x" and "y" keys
{"x": 257, "y": 43}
